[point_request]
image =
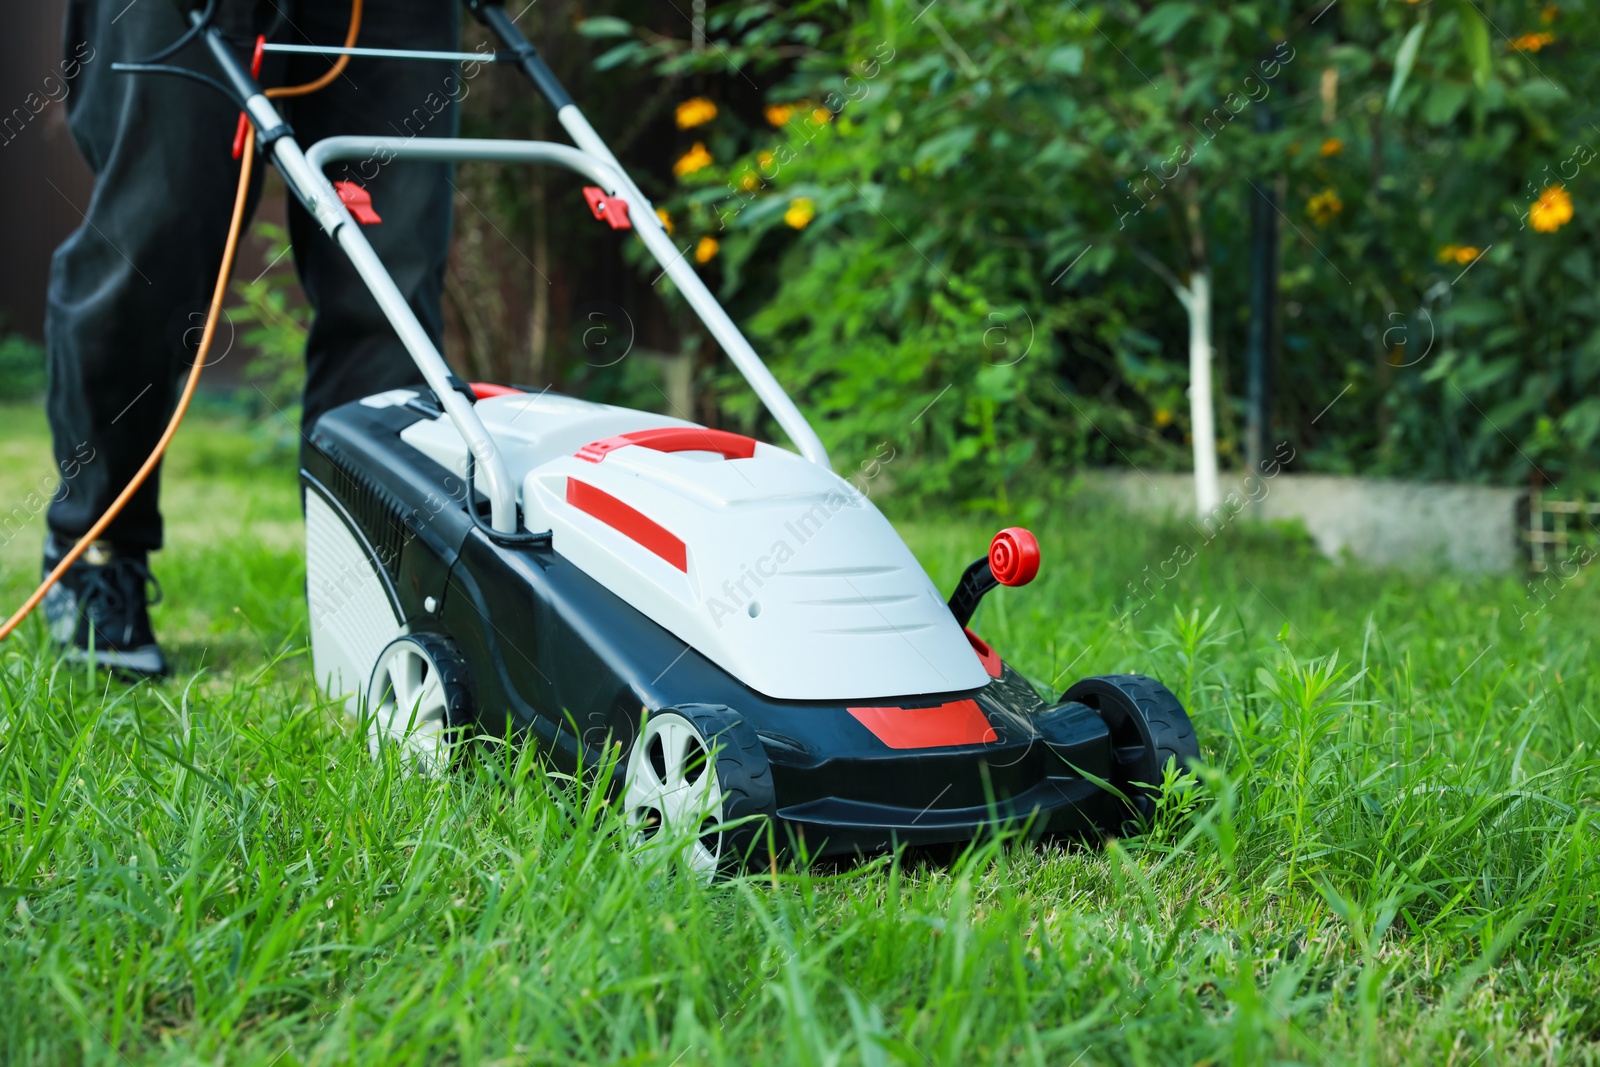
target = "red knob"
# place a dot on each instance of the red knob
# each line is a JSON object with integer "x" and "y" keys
{"x": 1014, "y": 556}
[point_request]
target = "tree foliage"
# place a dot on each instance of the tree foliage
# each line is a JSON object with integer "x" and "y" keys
{"x": 959, "y": 228}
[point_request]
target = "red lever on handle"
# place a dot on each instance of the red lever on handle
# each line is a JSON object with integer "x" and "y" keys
{"x": 242, "y": 130}
{"x": 359, "y": 201}
{"x": 612, "y": 209}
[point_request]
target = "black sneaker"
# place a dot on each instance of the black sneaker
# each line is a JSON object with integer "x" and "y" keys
{"x": 106, "y": 593}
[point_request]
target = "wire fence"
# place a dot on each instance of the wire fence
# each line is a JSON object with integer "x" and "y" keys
{"x": 1554, "y": 529}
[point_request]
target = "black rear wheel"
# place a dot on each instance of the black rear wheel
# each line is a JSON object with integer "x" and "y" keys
{"x": 1149, "y": 729}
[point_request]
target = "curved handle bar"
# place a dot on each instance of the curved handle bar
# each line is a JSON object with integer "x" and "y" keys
{"x": 674, "y": 439}
{"x": 674, "y": 261}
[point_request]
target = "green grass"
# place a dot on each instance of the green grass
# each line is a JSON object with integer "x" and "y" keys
{"x": 1392, "y": 857}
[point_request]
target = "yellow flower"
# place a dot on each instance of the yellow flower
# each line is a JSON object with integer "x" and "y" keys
{"x": 1552, "y": 210}
{"x": 1531, "y": 42}
{"x": 1332, "y": 147}
{"x": 666, "y": 220}
{"x": 765, "y": 160}
{"x": 800, "y": 213}
{"x": 1549, "y": 14}
{"x": 695, "y": 112}
{"x": 705, "y": 250}
{"x": 697, "y": 158}
{"x": 821, "y": 114}
{"x": 1163, "y": 417}
{"x": 748, "y": 181}
{"x": 1324, "y": 206}
{"x": 778, "y": 114}
{"x": 1460, "y": 254}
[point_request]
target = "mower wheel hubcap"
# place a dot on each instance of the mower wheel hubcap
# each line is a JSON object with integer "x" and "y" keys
{"x": 672, "y": 789}
{"x": 409, "y": 705}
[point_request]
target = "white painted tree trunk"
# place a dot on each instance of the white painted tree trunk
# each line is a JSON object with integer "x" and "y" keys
{"x": 1196, "y": 300}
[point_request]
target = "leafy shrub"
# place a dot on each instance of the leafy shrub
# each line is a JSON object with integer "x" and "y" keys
{"x": 272, "y": 320}
{"x": 929, "y": 171}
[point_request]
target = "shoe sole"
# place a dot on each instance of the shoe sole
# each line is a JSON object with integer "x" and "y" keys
{"x": 146, "y": 662}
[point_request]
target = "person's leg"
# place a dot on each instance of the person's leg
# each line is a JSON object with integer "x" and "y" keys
{"x": 127, "y": 297}
{"x": 129, "y": 289}
{"x": 352, "y": 351}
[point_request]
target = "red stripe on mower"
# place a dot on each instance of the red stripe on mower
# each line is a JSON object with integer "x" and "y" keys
{"x": 986, "y": 654}
{"x": 628, "y": 521}
{"x": 960, "y": 722}
{"x": 484, "y": 390}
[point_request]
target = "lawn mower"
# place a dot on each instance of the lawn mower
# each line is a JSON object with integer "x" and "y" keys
{"x": 735, "y": 621}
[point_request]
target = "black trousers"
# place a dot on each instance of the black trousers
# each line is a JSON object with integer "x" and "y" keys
{"x": 129, "y": 289}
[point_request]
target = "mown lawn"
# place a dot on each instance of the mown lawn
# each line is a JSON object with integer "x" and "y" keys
{"x": 1391, "y": 859}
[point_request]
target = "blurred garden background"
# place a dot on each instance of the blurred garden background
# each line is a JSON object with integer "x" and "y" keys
{"x": 990, "y": 235}
{"x": 971, "y": 229}
{"x": 996, "y": 250}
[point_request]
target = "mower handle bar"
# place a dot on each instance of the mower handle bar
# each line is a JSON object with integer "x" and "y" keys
{"x": 492, "y": 13}
{"x": 592, "y": 158}
{"x": 321, "y": 201}
{"x": 642, "y": 213}
{"x": 608, "y": 176}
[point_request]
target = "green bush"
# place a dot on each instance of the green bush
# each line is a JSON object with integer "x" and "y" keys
{"x": 967, "y": 155}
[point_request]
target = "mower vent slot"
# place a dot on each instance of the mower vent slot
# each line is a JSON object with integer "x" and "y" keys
{"x": 375, "y": 512}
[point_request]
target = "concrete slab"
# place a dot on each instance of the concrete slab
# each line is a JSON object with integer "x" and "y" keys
{"x": 1412, "y": 525}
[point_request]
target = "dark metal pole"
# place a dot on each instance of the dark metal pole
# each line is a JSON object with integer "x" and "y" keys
{"x": 1263, "y": 309}
{"x": 493, "y": 15}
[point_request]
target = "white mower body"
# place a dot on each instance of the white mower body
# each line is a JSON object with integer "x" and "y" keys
{"x": 774, "y": 568}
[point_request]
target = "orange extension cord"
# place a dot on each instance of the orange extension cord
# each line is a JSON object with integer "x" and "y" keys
{"x": 218, "y": 294}
{"x": 334, "y": 71}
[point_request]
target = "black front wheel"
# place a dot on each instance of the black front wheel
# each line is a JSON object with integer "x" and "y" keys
{"x": 1148, "y": 728}
{"x": 700, "y": 766}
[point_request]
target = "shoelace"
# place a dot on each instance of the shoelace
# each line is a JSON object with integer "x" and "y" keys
{"x": 112, "y": 589}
